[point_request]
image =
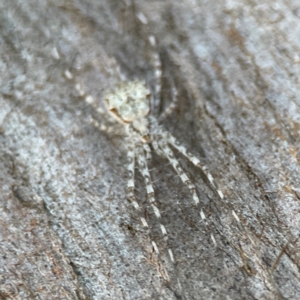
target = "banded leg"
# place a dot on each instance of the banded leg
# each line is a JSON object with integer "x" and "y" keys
{"x": 150, "y": 195}
{"x": 157, "y": 65}
{"x": 155, "y": 61}
{"x": 156, "y": 148}
{"x": 82, "y": 93}
{"x": 174, "y": 143}
{"x": 157, "y": 73}
{"x": 168, "y": 153}
{"x": 171, "y": 107}
{"x": 174, "y": 162}
{"x": 130, "y": 183}
{"x": 148, "y": 151}
{"x": 89, "y": 99}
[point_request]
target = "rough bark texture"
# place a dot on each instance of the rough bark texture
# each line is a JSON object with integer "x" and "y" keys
{"x": 66, "y": 229}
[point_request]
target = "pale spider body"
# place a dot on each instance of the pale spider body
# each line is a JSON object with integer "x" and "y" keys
{"x": 129, "y": 104}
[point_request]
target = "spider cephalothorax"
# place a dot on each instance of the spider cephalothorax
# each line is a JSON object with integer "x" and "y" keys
{"x": 129, "y": 101}
{"x": 129, "y": 104}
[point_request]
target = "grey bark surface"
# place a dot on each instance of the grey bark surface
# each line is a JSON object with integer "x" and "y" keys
{"x": 66, "y": 228}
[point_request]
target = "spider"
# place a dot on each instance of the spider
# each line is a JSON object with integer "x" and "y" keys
{"x": 129, "y": 103}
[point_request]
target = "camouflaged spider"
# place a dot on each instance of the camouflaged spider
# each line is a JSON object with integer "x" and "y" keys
{"x": 129, "y": 103}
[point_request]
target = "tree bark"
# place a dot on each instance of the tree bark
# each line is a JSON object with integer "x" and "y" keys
{"x": 67, "y": 230}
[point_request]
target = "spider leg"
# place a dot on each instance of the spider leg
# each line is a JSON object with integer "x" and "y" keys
{"x": 174, "y": 143}
{"x": 157, "y": 73}
{"x": 148, "y": 151}
{"x": 156, "y": 148}
{"x": 174, "y": 162}
{"x": 168, "y": 153}
{"x": 130, "y": 183}
{"x": 172, "y": 106}
{"x": 150, "y": 195}
{"x": 89, "y": 99}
